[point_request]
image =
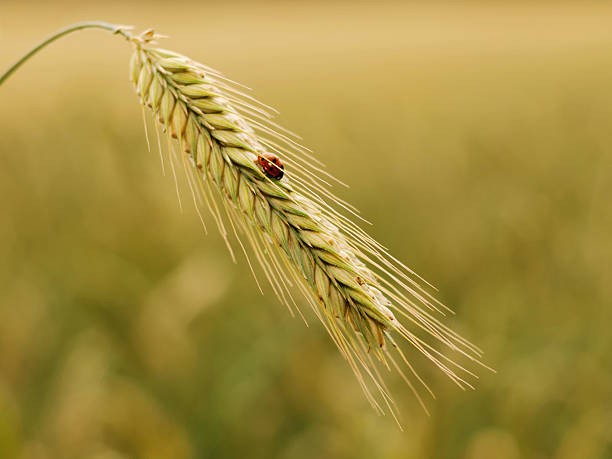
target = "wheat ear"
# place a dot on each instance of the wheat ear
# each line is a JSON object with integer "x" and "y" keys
{"x": 223, "y": 140}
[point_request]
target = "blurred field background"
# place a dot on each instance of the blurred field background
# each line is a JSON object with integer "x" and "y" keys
{"x": 477, "y": 137}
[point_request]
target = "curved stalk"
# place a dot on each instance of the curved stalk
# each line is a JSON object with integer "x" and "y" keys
{"x": 114, "y": 28}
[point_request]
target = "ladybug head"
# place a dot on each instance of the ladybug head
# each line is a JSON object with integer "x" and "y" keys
{"x": 271, "y": 165}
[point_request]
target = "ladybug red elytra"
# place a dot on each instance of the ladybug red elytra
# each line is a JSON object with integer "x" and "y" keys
{"x": 271, "y": 165}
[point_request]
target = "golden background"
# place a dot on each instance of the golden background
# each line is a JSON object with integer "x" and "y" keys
{"x": 478, "y": 138}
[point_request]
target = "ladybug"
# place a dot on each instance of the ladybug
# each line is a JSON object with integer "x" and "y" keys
{"x": 271, "y": 165}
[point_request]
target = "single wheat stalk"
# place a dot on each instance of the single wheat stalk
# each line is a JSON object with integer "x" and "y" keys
{"x": 232, "y": 155}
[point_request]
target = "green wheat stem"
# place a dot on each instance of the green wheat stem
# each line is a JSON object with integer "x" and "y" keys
{"x": 114, "y": 28}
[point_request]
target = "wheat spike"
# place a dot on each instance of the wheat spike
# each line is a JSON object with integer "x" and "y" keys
{"x": 296, "y": 235}
{"x": 226, "y": 143}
